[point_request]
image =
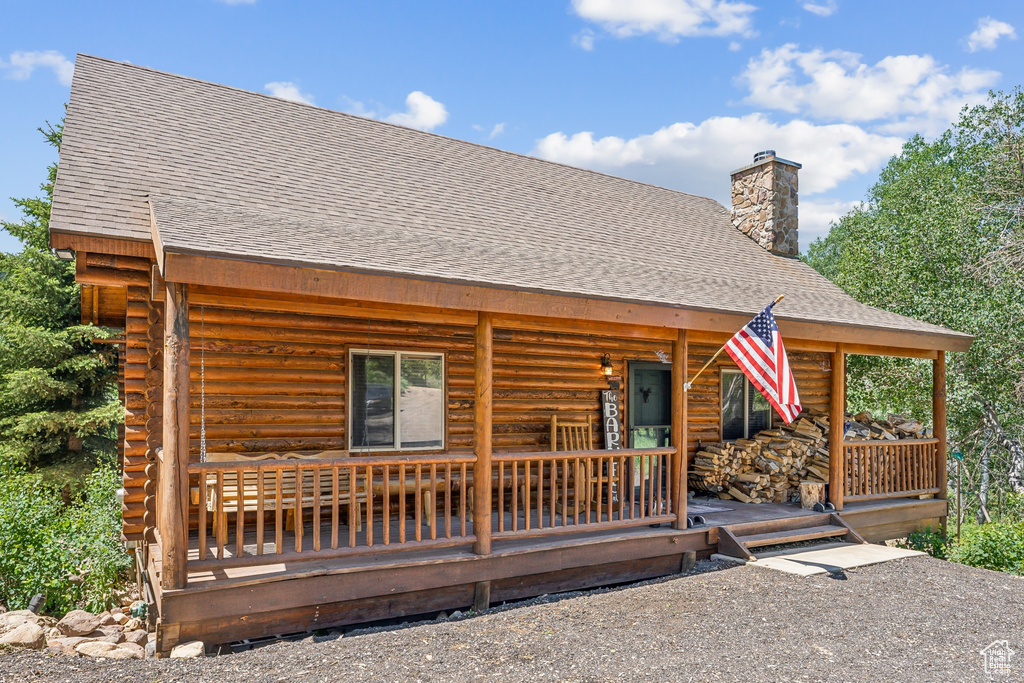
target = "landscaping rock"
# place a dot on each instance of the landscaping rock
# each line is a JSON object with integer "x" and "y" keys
{"x": 123, "y": 653}
{"x": 196, "y": 648}
{"x": 138, "y": 650}
{"x": 139, "y": 637}
{"x": 106, "y": 619}
{"x": 94, "y": 648}
{"x": 119, "y": 618}
{"x": 133, "y": 624}
{"x": 12, "y": 620}
{"x": 107, "y": 634}
{"x": 28, "y": 635}
{"x": 78, "y": 623}
{"x": 151, "y": 649}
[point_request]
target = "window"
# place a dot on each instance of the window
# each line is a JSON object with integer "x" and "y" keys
{"x": 745, "y": 411}
{"x": 383, "y": 384}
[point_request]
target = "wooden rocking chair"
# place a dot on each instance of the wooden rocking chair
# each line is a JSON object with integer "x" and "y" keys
{"x": 579, "y": 436}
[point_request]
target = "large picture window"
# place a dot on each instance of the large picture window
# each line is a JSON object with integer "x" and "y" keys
{"x": 396, "y": 400}
{"x": 745, "y": 411}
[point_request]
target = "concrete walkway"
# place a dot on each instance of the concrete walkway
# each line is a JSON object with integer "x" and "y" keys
{"x": 829, "y": 558}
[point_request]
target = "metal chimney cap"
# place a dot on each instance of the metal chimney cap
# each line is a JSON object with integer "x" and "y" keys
{"x": 764, "y": 154}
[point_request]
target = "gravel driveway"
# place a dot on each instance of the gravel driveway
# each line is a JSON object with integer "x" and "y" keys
{"x": 916, "y": 619}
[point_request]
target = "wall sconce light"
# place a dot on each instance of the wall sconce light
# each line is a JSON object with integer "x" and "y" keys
{"x": 606, "y": 365}
{"x": 65, "y": 254}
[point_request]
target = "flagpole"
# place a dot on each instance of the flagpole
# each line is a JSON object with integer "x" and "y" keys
{"x": 687, "y": 385}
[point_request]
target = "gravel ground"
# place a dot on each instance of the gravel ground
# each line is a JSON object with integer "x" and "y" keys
{"x": 916, "y": 619}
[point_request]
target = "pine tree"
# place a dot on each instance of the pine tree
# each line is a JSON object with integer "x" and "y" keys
{"x": 58, "y": 389}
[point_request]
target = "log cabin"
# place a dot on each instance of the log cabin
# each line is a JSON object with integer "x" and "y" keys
{"x": 370, "y": 371}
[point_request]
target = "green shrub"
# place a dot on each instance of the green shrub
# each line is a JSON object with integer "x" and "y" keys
{"x": 70, "y": 552}
{"x": 996, "y": 546}
{"x": 928, "y": 541}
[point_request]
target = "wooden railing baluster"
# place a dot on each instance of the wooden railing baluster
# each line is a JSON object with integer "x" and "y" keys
{"x": 221, "y": 523}
{"x": 401, "y": 503}
{"x": 418, "y": 497}
{"x": 202, "y": 515}
{"x": 386, "y": 506}
{"x": 260, "y": 507}
{"x": 335, "y": 504}
{"x": 316, "y": 509}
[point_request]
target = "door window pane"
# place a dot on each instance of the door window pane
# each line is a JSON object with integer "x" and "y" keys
{"x": 422, "y": 402}
{"x": 733, "y": 405}
{"x": 373, "y": 401}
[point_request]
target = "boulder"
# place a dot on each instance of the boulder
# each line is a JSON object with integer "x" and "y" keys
{"x": 78, "y": 623}
{"x": 107, "y": 634}
{"x": 92, "y": 648}
{"x": 121, "y": 652}
{"x": 12, "y": 620}
{"x": 139, "y": 650}
{"x": 133, "y": 624}
{"x": 56, "y": 650}
{"x": 189, "y": 650}
{"x": 138, "y": 636}
{"x": 28, "y": 635}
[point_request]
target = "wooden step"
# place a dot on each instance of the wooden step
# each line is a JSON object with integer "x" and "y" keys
{"x": 801, "y": 521}
{"x": 792, "y": 535}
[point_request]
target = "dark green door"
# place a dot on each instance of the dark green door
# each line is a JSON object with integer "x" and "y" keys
{"x": 650, "y": 404}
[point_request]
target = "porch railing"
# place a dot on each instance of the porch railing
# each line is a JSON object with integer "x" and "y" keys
{"x": 537, "y": 494}
{"x": 244, "y": 511}
{"x": 890, "y": 469}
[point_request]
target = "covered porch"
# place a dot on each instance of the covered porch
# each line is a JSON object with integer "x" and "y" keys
{"x": 482, "y": 524}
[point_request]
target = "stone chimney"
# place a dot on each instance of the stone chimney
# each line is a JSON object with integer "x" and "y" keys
{"x": 764, "y": 203}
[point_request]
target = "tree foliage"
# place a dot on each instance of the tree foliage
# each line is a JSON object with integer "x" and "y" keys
{"x": 58, "y": 389}
{"x": 940, "y": 238}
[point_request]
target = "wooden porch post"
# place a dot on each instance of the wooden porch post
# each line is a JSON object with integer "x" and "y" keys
{"x": 483, "y": 362}
{"x": 680, "y": 359}
{"x": 939, "y": 423}
{"x": 173, "y": 481}
{"x": 836, "y": 420}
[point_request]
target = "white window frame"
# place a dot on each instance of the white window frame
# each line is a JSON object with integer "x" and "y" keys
{"x": 397, "y": 407}
{"x": 748, "y": 386}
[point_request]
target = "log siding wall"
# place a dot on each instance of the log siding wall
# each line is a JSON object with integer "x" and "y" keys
{"x": 276, "y": 378}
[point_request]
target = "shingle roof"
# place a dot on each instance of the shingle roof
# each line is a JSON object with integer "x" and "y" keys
{"x": 245, "y": 175}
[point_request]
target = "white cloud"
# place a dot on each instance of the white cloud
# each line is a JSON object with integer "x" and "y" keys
{"x": 584, "y": 40}
{"x": 498, "y": 129}
{"x": 822, "y": 9}
{"x": 816, "y": 216}
{"x": 421, "y": 111}
{"x": 901, "y": 93}
{"x": 735, "y": 46}
{"x": 668, "y": 19}
{"x": 988, "y": 33}
{"x": 21, "y": 65}
{"x": 698, "y": 157}
{"x": 287, "y": 90}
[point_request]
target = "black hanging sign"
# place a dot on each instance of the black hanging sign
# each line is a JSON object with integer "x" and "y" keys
{"x": 610, "y": 417}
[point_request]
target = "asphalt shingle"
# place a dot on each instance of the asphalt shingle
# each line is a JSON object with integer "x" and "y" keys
{"x": 245, "y": 175}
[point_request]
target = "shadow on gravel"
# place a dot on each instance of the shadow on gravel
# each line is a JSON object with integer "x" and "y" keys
{"x": 402, "y": 623}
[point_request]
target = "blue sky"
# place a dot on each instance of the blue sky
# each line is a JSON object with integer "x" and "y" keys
{"x": 673, "y": 92}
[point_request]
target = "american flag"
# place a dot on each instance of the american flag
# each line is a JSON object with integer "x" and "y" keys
{"x": 758, "y": 351}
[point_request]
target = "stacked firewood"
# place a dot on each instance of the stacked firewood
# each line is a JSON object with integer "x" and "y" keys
{"x": 767, "y": 468}
{"x": 864, "y": 427}
{"x": 770, "y": 466}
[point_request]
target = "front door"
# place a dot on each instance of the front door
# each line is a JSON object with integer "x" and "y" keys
{"x": 650, "y": 404}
